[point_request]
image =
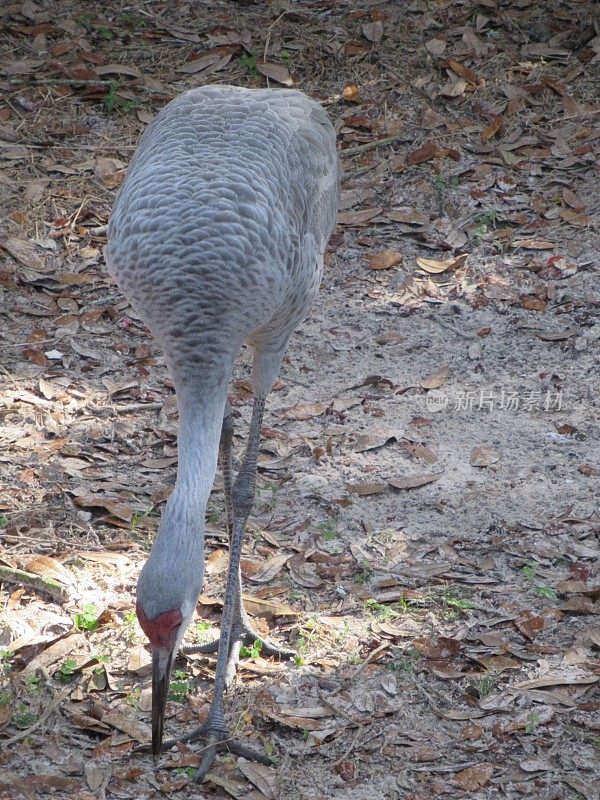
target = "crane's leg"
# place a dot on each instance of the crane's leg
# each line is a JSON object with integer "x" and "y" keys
{"x": 242, "y": 632}
{"x": 242, "y": 497}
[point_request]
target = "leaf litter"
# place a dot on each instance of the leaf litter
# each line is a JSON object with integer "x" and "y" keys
{"x": 427, "y": 538}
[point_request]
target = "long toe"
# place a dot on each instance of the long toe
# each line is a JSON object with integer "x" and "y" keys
{"x": 218, "y": 742}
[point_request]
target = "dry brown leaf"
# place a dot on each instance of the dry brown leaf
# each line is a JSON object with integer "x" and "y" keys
{"x": 427, "y": 152}
{"x": 144, "y": 115}
{"x": 454, "y": 88}
{"x": 373, "y": 31}
{"x": 303, "y": 573}
{"x": 276, "y": 72}
{"x": 464, "y": 72}
{"x": 73, "y": 646}
{"x": 436, "y": 379}
{"x": 267, "y": 609}
{"x": 558, "y": 679}
{"x": 533, "y": 303}
{"x": 483, "y": 456}
{"x": 385, "y": 259}
{"x": 408, "y": 215}
{"x": 557, "y": 336}
{"x": 492, "y": 129}
{"x": 378, "y": 437}
{"x": 572, "y": 199}
{"x": 350, "y": 93}
{"x": 474, "y": 778}
{"x": 304, "y": 411}
{"x": 420, "y": 451}
{"x": 135, "y": 729}
{"x": 358, "y": 218}
{"x": 271, "y": 567}
{"x": 414, "y": 481}
{"x": 49, "y": 567}
{"x": 435, "y": 46}
{"x": 26, "y": 253}
{"x": 435, "y": 267}
{"x": 530, "y": 624}
{"x": 262, "y": 776}
{"x": 534, "y": 244}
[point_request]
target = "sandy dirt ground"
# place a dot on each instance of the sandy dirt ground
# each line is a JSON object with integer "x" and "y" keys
{"x": 426, "y": 530}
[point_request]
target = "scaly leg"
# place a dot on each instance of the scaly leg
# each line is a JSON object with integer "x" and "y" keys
{"x": 242, "y": 632}
{"x": 242, "y": 498}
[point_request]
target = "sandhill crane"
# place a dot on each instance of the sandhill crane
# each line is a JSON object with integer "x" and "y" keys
{"x": 217, "y": 238}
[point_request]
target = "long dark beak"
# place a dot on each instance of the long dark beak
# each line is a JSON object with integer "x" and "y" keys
{"x": 162, "y": 660}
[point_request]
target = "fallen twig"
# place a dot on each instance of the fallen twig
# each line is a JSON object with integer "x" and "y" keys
{"x": 360, "y": 148}
{"x": 37, "y": 582}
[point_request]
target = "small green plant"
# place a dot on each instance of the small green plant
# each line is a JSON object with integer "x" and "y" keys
{"x": 484, "y": 223}
{"x": 253, "y": 651}
{"x": 23, "y": 717}
{"x": 365, "y": 574}
{"x": 329, "y": 529}
{"x": 105, "y": 33}
{"x": 33, "y": 684}
{"x": 132, "y": 20}
{"x": 138, "y": 516}
{"x": 547, "y": 591}
{"x": 5, "y": 698}
{"x": 133, "y": 698}
{"x": 180, "y": 687}
{"x": 188, "y": 772}
{"x": 406, "y": 661}
{"x": 299, "y": 661}
{"x": 533, "y": 720}
{"x": 487, "y": 683}
{"x": 454, "y": 599}
{"x": 380, "y": 610}
{"x": 86, "y": 20}
{"x": 202, "y": 632}
{"x": 87, "y": 619}
{"x": 101, "y": 659}
{"x": 3, "y": 521}
{"x": 309, "y": 633}
{"x": 5, "y": 661}
{"x": 129, "y": 621}
{"x": 113, "y": 101}
{"x": 66, "y": 670}
{"x": 248, "y": 61}
{"x": 212, "y": 513}
{"x": 529, "y": 572}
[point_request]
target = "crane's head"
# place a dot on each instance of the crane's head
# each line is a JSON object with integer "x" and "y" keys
{"x": 167, "y": 592}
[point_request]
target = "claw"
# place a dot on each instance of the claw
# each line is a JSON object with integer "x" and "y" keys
{"x": 218, "y": 742}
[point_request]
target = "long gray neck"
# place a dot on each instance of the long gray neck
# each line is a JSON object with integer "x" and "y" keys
{"x": 173, "y": 575}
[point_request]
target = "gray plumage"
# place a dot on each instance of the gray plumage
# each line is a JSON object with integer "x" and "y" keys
{"x": 217, "y": 238}
{"x": 219, "y": 230}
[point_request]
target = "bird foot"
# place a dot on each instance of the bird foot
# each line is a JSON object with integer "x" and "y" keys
{"x": 242, "y": 635}
{"x": 218, "y": 740}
